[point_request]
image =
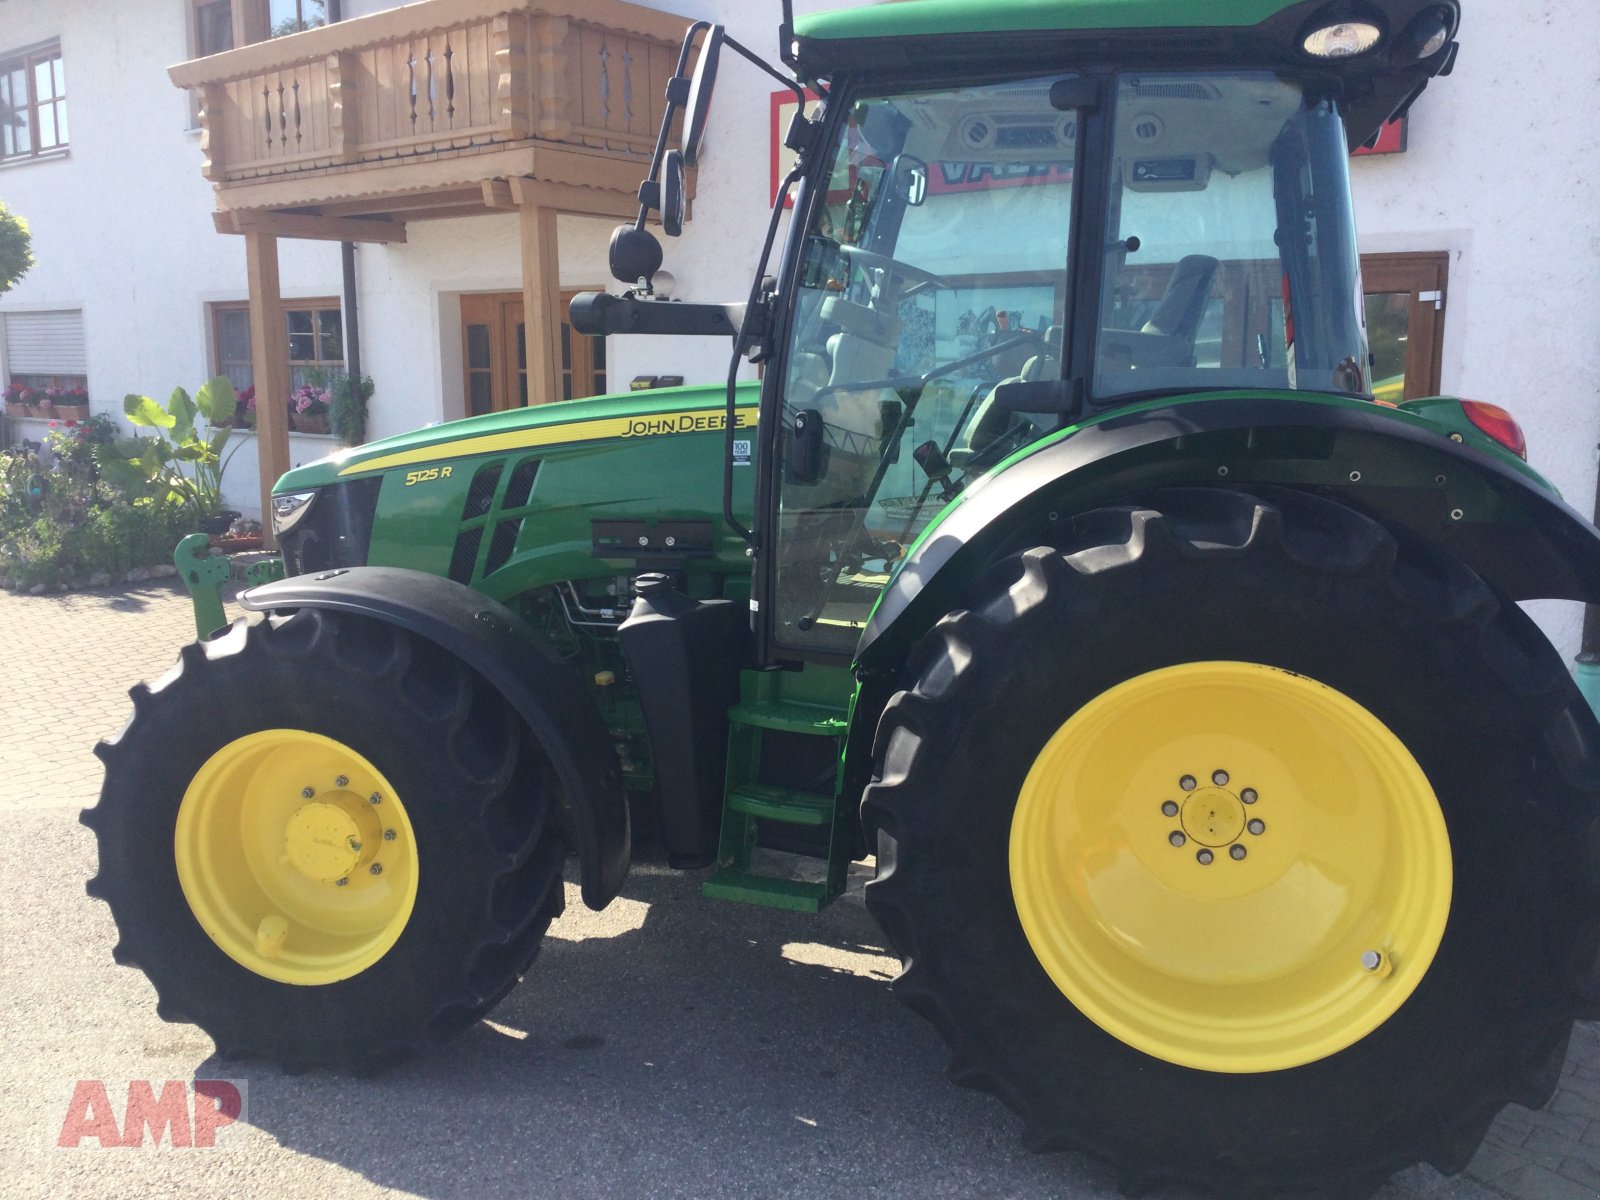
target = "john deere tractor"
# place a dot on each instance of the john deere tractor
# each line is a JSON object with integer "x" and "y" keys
{"x": 1232, "y": 821}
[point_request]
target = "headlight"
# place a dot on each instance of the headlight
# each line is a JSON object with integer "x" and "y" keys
{"x": 1426, "y": 35}
{"x": 1343, "y": 39}
{"x": 289, "y": 509}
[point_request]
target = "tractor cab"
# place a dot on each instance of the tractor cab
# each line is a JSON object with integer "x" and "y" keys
{"x": 984, "y": 264}
{"x": 1010, "y": 224}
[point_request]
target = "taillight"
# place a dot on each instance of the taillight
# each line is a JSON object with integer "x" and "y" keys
{"x": 1498, "y": 424}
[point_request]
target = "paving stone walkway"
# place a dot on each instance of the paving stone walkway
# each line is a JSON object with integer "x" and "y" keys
{"x": 66, "y": 663}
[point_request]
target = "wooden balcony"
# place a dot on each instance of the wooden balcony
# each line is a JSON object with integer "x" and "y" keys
{"x": 443, "y": 108}
{"x": 431, "y": 109}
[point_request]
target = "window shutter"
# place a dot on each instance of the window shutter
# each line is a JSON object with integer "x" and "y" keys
{"x": 45, "y": 343}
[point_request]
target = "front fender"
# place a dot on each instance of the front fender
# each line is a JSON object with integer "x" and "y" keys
{"x": 514, "y": 659}
{"x": 1501, "y": 520}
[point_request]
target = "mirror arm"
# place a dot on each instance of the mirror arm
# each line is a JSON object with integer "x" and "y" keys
{"x": 794, "y": 85}
{"x": 677, "y": 96}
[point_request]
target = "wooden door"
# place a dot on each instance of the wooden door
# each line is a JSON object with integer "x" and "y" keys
{"x": 494, "y": 340}
{"x": 1405, "y": 297}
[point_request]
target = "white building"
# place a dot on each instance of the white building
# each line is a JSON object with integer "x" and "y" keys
{"x": 1490, "y": 205}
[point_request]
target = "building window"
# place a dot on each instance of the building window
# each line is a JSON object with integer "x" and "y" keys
{"x": 316, "y": 342}
{"x": 33, "y": 104}
{"x": 291, "y": 16}
{"x": 44, "y": 353}
{"x": 213, "y": 27}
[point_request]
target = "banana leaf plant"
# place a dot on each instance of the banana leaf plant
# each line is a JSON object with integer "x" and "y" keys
{"x": 177, "y": 464}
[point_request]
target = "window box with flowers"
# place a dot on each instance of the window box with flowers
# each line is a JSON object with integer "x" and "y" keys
{"x": 48, "y": 403}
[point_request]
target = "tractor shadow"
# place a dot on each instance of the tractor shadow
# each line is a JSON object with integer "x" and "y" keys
{"x": 676, "y": 1046}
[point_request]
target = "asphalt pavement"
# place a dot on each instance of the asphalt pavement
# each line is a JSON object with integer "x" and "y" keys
{"x": 670, "y": 1046}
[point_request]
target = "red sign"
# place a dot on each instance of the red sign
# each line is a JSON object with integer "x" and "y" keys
{"x": 1391, "y": 140}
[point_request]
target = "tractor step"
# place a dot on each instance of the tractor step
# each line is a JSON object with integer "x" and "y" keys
{"x": 763, "y": 712}
{"x": 780, "y": 804}
{"x": 789, "y": 716}
{"x": 771, "y": 891}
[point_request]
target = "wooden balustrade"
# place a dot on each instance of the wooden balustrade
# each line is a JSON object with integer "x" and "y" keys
{"x": 435, "y": 77}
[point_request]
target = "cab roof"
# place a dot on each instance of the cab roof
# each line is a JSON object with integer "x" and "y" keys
{"x": 976, "y": 37}
{"x": 914, "y": 18}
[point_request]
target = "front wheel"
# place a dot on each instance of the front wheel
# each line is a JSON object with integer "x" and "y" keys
{"x": 1241, "y": 846}
{"x": 326, "y": 842}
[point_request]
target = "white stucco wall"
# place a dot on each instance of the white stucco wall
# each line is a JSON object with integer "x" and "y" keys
{"x": 121, "y": 224}
{"x": 1498, "y": 173}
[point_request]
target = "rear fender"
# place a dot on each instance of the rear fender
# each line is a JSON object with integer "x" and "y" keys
{"x": 1500, "y": 519}
{"x": 514, "y": 659}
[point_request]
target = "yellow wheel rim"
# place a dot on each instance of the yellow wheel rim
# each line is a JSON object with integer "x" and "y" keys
{"x": 296, "y": 856}
{"x": 1230, "y": 867}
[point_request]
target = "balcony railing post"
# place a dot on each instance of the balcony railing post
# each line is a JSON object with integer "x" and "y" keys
{"x": 212, "y": 98}
{"x": 344, "y": 113}
{"x": 550, "y": 77}
{"x": 512, "y": 90}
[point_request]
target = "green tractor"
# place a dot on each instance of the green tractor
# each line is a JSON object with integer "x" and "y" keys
{"x": 1232, "y": 821}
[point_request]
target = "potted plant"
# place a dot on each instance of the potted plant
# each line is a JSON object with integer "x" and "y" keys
{"x": 308, "y": 408}
{"x": 19, "y": 400}
{"x": 347, "y": 414}
{"x": 71, "y": 404}
{"x": 244, "y": 410}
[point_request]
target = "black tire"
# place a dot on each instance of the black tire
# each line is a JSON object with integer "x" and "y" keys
{"x": 1465, "y": 680}
{"x": 478, "y": 793}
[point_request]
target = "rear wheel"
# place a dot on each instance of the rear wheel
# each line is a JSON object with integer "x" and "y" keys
{"x": 1238, "y": 845}
{"x": 326, "y": 842}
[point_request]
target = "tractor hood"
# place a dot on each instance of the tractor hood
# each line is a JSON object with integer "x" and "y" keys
{"x": 662, "y": 411}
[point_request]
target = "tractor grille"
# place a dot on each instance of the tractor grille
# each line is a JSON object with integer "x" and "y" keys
{"x": 337, "y": 532}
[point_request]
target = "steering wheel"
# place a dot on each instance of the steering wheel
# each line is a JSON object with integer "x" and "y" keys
{"x": 882, "y": 262}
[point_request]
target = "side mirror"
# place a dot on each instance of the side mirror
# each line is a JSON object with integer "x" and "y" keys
{"x": 911, "y": 178}
{"x": 674, "y": 199}
{"x": 698, "y": 107}
{"x": 635, "y": 254}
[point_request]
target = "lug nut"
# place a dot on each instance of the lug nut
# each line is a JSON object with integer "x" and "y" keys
{"x": 354, "y": 844}
{"x": 342, "y": 781}
{"x": 1204, "y": 858}
{"x": 375, "y": 798}
{"x": 389, "y": 835}
{"x": 308, "y": 792}
{"x": 1169, "y": 808}
{"x": 1248, "y": 795}
{"x": 1187, "y": 783}
{"x": 1257, "y": 826}
{"x": 1237, "y": 852}
{"x": 1176, "y": 838}
{"x": 1371, "y": 960}
{"x": 1220, "y": 778}
{"x": 341, "y": 883}
{"x": 375, "y": 869}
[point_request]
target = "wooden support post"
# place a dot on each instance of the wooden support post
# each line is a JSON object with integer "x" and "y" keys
{"x": 269, "y": 354}
{"x": 541, "y": 301}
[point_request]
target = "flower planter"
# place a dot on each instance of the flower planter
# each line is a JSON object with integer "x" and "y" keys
{"x": 72, "y": 412}
{"x": 234, "y": 543}
{"x": 15, "y": 410}
{"x": 219, "y": 524}
{"x": 309, "y": 423}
